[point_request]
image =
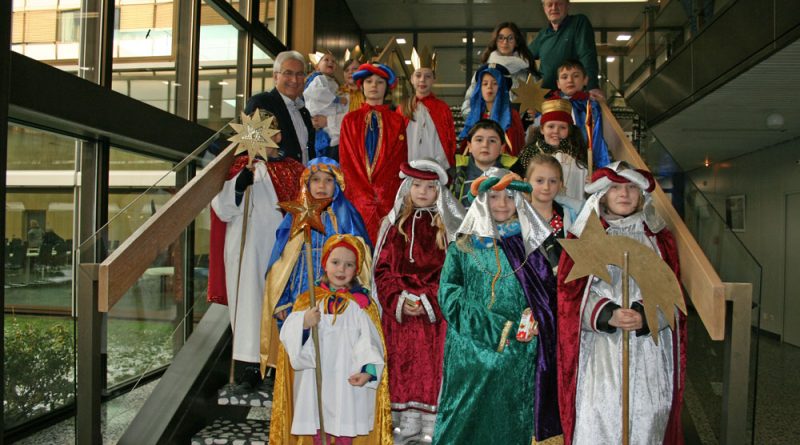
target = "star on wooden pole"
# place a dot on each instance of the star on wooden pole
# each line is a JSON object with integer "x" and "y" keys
{"x": 530, "y": 96}
{"x": 307, "y": 212}
{"x": 254, "y": 135}
{"x": 595, "y": 250}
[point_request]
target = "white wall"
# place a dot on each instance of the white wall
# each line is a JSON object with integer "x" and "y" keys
{"x": 765, "y": 177}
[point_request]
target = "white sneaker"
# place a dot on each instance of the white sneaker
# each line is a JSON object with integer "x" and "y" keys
{"x": 410, "y": 426}
{"x": 428, "y": 423}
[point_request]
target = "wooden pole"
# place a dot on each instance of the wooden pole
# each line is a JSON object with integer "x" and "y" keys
{"x": 626, "y": 353}
{"x": 314, "y": 332}
{"x": 245, "y": 215}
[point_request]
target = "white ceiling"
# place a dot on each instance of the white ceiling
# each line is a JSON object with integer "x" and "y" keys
{"x": 732, "y": 120}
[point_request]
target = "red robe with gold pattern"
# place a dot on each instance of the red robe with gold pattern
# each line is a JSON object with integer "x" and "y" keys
{"x": 285, "y": 175}
{"x": 414, "y": 345}
{"x": 371, "y": 187}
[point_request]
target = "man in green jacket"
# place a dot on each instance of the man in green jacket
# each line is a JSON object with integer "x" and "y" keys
{"x": 566, "y": 37}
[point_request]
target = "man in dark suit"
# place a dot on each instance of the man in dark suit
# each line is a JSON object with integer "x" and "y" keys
{"x": 286, "y": 103}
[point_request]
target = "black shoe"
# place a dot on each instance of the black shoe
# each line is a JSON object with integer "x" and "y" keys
{"x": 248, "y": 380}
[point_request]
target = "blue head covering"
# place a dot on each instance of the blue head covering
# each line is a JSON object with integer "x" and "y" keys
{"x": 501, "y": 108}
{"x": 347, "y": 218}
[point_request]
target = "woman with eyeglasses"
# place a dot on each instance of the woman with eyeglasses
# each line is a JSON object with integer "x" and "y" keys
{"x": 507, "y": 47}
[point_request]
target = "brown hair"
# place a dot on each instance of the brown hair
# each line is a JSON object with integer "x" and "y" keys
{"x": 519, "y": 41}
{"x": 572, "y": 64}
{"x": 407, "y": 209}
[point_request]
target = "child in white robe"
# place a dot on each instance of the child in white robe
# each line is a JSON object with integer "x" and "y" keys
{"x": 351, "y": 348}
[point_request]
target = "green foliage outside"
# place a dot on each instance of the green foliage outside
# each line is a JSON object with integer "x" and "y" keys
{"x": 39, "y": 373}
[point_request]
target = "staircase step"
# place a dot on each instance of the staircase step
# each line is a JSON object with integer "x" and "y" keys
{"x": 223, "y": 431}
{"x": 260, "y": 397}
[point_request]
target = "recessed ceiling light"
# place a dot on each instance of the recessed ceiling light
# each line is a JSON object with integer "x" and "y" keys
{"x": 464, "y": 40}
{"x": 610, "y": 59}
{"x": 401, "y": 41}
{"x": 623, "y": 37}
{"x": 408, "y": 62}
{"x": 222, "y": 82}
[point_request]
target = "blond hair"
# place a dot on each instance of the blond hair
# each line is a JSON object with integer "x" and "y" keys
{"x": 543, "y": 159}
{"x": 407, "y": 209}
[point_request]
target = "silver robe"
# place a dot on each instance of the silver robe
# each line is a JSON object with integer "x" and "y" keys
{"x": 599, "y": 387}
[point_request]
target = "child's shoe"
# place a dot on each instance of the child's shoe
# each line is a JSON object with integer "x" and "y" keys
{"x": 410, "y": 427}
{"x": 428, "y": 422}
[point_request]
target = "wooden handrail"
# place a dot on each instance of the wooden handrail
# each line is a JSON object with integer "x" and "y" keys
{"x": 132, "y": 258}
{"x": 698, "y": 276}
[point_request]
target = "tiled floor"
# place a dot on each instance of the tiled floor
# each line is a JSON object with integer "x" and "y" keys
{"x": 778, "y": 397}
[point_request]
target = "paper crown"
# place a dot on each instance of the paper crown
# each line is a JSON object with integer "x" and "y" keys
{"x": 423, "y": 59}
{"x": 317, "y": 56}
{"x": 356, "y": 54}
{"x": 556, "y": 110}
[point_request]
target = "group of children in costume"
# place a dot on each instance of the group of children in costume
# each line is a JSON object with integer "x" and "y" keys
{"x": 442, "y": 308}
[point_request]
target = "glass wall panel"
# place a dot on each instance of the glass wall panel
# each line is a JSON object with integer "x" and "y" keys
{"x": 141, "y": 324}
{"x": 216, "y": 100}
{"x": 48, "y": 30}
{"x": 144, "y": 51}
{"x": 262, "y": 79}
{"x": 39, "y": 331}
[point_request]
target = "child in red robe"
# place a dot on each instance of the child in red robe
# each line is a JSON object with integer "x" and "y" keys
{"x": 431, "y": 131}
{"x": 372, "y": 146}
{"x": 408, "y": 260}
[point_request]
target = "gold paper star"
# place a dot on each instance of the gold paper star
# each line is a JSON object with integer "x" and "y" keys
{"x": 254, "y": 135}
{"x": 595, "y": 250}
{"x": 307, "y": 212}
{"x": 530, "y": 96}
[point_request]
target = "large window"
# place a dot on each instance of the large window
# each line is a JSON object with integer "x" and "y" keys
{"x": 39, "y": 329}
{"x": 141, "y": 324}
{"x": 216, "y": 99}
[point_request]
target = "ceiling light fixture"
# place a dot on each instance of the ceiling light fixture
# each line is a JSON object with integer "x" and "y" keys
{"x": 623, "y": 37}
{"x": 775, "y": 121}
{"x": 408, "y": 62}
{"x": 401, "y": 41}
{"x": 610, "y": 59}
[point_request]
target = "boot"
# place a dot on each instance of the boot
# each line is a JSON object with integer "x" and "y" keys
{"x": 410, "y": 426}
{"x": 428, "y": 422}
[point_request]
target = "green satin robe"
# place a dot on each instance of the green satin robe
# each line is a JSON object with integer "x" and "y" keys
{"x": 487, "y": 397}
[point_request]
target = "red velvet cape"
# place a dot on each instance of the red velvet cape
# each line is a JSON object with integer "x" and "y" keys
{"x": 415, "y": 347}
{"x": 285, "y": 175}
{"x": 443, "y": 121}
{"x": 372, "y": 188}
{"x": 570, "y": 296}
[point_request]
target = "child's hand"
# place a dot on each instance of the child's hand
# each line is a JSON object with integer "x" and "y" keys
{"x": 626, "y": 319}
{"x": 359, "y": 379}
{"x": 311, "y": 318}
{"x": 413, "y": 311}
{"x": 282, "y": 315}
{"x": 319, "y": 122}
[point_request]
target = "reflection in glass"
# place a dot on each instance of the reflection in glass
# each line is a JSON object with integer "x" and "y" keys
{"x": 141, "y": 324}
{"x": 39, "y": 331}
{"x": 216, "y": 100}
{"x": 144, "y": 55}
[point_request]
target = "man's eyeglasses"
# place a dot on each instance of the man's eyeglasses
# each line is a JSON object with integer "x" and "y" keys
{"x": 508, "y": 39}
{"x": 288, "y": 73}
